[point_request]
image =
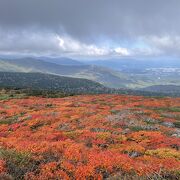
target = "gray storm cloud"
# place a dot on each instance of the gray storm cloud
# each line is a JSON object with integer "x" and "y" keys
{"x": 40, "y": 26}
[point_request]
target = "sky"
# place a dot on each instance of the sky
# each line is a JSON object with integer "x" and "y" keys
{"x": 90, "y": 29}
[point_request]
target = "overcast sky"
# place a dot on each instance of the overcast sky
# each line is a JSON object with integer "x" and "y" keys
{"x": 90, "y": 28}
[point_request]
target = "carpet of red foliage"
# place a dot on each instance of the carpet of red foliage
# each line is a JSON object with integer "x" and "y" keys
{"x": 90, "y": 137}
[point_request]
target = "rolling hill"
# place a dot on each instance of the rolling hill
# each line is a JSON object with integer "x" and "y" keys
{"x": 63, "y": 61}
{"x": 131, "y": 76}
{"x": 57, "y": 85}
{"x": 163, "y": 89}
{"x": 131, "y": 65}
{"x": 39, "y": 81}
{"x": 102, "y": 75}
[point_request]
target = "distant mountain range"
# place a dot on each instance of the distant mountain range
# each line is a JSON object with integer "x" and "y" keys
{"x": 131, "y": 65}
{"x": 128, "y": 74}
{"x": 66, "y": 85}
{"x": 63, "y": 61}
{"x": 163, "y": 89}
{"x": 105, "y": 76}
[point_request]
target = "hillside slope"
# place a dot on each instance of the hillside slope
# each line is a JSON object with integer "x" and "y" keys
{"x": 49, "y": 82}
{"x": 54, "y": 84}
{"x": 163, "y": 89}
{"x": 102, "y": 75}
{"x": 63, "y": 61}
{"x": 128, "y": 78}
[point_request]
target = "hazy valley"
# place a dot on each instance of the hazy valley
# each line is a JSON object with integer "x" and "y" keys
{"x": 130, "y": 76}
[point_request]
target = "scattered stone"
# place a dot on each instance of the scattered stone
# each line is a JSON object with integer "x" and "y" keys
{"x": 150, "y": 128}
{"x": 132, "y": 122}
{"x": 64, "y": 127}
{"x": 120, "y": 116}
{"x": 98, "y": 130}
{"x": 176, "y": 133}
{"x": 168, "y": 124}
{"x": 126, "y": 131}
{"x": 149, "y": 120}
{"x": 134, "y": 154}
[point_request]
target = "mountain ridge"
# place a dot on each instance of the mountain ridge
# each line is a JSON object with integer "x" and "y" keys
{"x": 102, "y": 75}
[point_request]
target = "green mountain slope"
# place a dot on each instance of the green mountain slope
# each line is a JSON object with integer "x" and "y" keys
{"x": 39, "y": 81}
{"x": 54, "y": 85}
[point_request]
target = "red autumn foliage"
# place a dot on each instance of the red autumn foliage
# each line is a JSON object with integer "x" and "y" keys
{"x": 89, "y": 137}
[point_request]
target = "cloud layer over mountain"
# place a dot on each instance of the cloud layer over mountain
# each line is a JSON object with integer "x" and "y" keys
{"x": 88, "y": 29}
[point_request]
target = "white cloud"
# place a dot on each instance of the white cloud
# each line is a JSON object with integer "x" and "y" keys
{"x": 43, "y": 43}
{"x": 61, "y": 42}
{"x": 164, "y": 44}
{"x": 122, "y": 51}
{"x": 70, "y": 45}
